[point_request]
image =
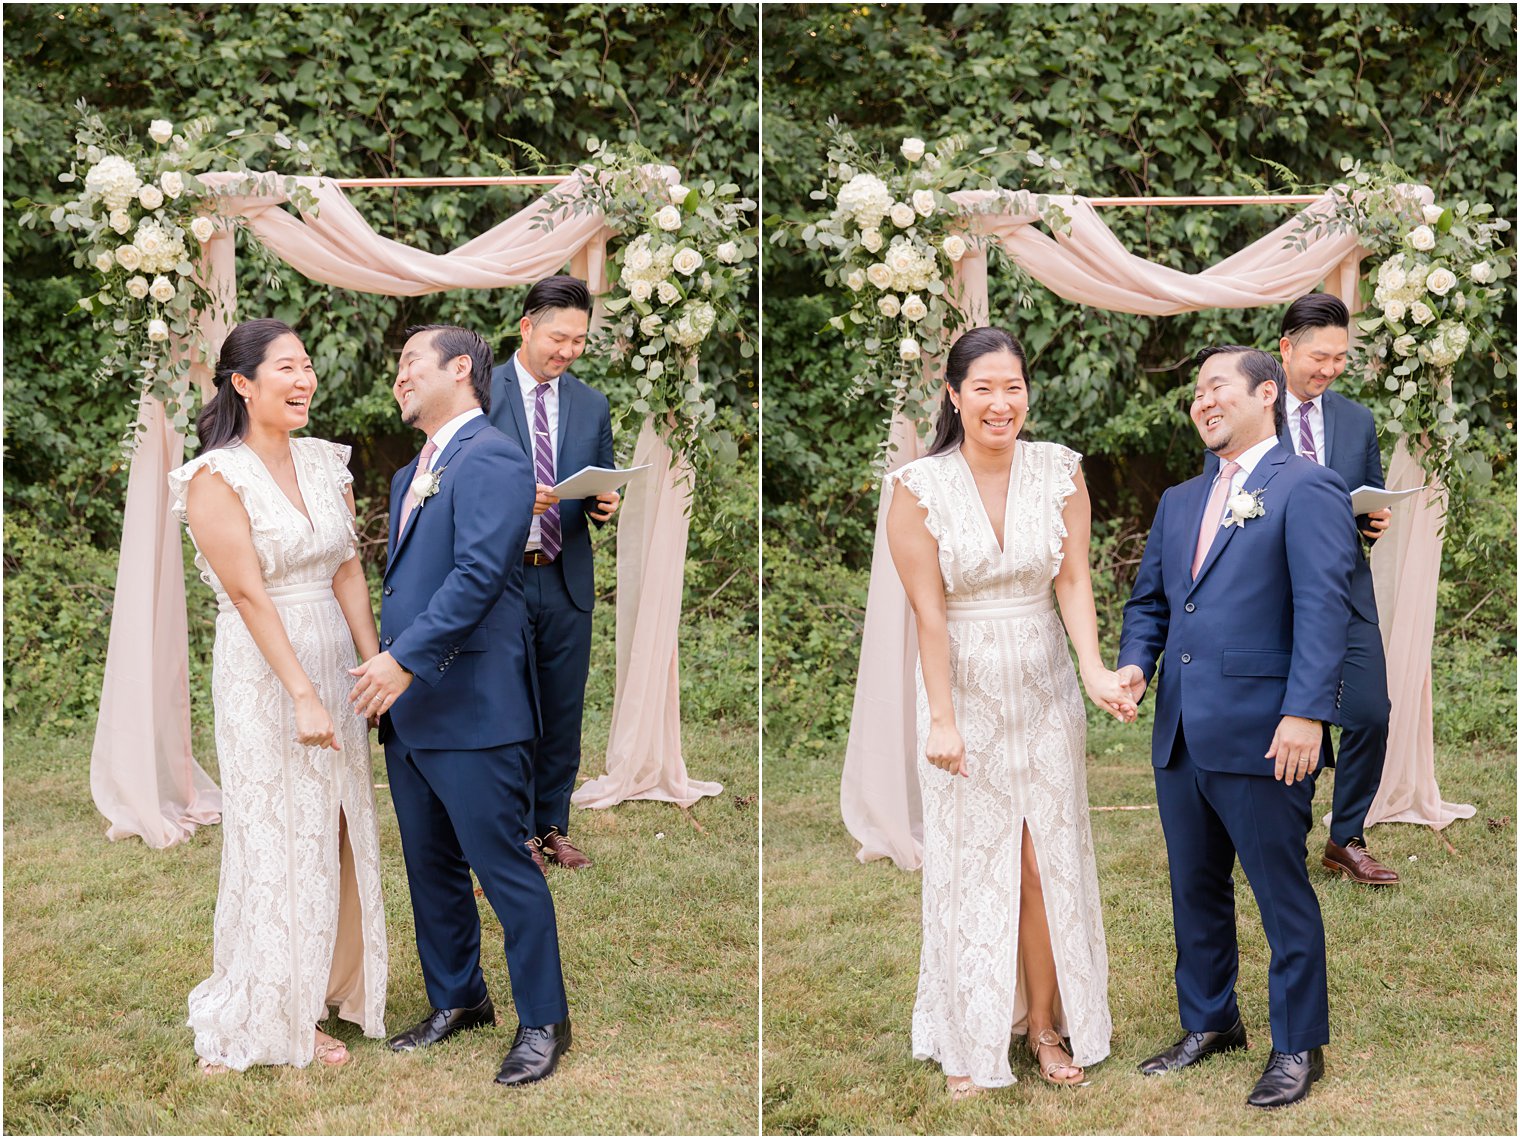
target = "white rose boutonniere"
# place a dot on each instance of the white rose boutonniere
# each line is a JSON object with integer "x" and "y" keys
{"x": 425, "y": 485}
{"x": 1242, "y": 506}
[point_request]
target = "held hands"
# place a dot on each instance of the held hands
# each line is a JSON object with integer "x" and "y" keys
{"x": 381, "y": 679}
{"x": 945, "y": 749}
{"x": 314, "y": 727}
{"x": 1377, "y": 522}
{"x": 1109, "y": 691}
{"x": 606, "y": 504}
{"x": 1133, "y": 680}
{"x": 544, "y": 499}
{"x": 1295, "y": 746}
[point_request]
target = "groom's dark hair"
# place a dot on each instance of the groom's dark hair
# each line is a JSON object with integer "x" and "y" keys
{"x": 562, "y": 291}
{"x": 1257, "y": 367}
{"x": 453, "y": 341}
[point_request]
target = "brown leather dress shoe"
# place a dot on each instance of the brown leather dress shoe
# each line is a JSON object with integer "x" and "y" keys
{"x": 1356, "y": 863}
{"x": 565, "y": 852}
{"x": 536, "y": 849}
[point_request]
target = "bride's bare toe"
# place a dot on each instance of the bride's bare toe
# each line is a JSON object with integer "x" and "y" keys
{"x": 210, "y": 1067}
{"x": 962, "y": 1087}
{"x": 332, "y": 1052}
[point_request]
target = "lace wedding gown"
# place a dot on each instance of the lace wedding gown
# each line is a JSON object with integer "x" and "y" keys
{"x": 299, "y": 922}
{"x": 1021, "y": 716}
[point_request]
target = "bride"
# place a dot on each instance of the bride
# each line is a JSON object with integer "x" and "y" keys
{"x": 299, "y": 922}
{"x": 1012, "y": 933}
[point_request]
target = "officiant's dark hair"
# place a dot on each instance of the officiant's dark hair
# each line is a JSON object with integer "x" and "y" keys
{"x": 1257, "y": 367}
{"x": 224, "y": 419}
{"x": 972, "y": 345}
{"x": 1317, "y": 310}
{"x": 454, "y": 341}
{"x": 562, "y": 291}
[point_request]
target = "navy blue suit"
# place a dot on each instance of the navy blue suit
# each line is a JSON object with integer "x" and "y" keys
{"x": 1351, "y": 451}
{"x": 457, "y": 741}
{"x": 560, "y": 595}
{"x": 1260, "y": 634}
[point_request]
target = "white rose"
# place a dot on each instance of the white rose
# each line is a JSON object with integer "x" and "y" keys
{"x": 1422, "y": 237}
{"x": 1404, "y": 345}
{"x": 639, "y": 258}
{"x": 1432, "y": 214}
{"x": 856, "y": 280}
{"x": 104, "y": 262}
{"x": 923, "y": 202}
{"x": 686, "y": 261}
{"x": 151, "y": 197}
{"x": 1241, "y": 503}
{"x": 149, "y": 238}
{"x": 879, "y": 275}
{"x": 902, "y": 258}
{"x": 668, "y": 293}
{"x": 1459, "y": 302}
{"x": 955, "y": 247}
{"x": 202, "y": 228}
{"x": 160, "y": 131}
{"x": 913, "y": 308}
{"x": 121, "y": 221}
{"x": 173, "y": 183}
{"x": 668, "y": 219}
{"x": 888, "y": 306}
{"x": 158, "y": 330}
{"x": 1421, "y": 312}
{"x": 641, "y": 291}
{"x": 137, "y": 288}
{"x": 1482, "y": 272}
{"x": 678, "y": 194}
{"x": 1391, "y": 275}
{"x": 1394, "y": 310}
{"x": 909, "y": 349}
{"x": 902, "y": 215}
{"x": 871, "y": 239}
{"x": 1441, "y": 281}
{"x": 912, "y": 149}
{"x": 128, "y": 257}
{"x": 650, "y": 324}
{"x": 161, "y": 290}
{"x": 728, "y": 253}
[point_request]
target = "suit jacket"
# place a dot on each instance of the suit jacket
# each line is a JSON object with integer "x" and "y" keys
{"x": 452, "y": 610}
{"x": 1351, "y": 451}
{"x": 584, "y": 440}
{"x": 1261, "y": 633}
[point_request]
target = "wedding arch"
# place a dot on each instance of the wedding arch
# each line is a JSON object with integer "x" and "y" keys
{"x": 1085, "y": 262}
{"x": 143, "y": 775}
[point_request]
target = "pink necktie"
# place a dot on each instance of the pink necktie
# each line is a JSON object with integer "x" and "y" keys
{"x": 424, "y": 464}
{"x": 1306, "y": 433}
{"x": 1213, "y": 514}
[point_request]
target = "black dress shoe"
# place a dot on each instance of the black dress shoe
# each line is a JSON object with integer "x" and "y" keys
{"x": 440, "y": 1024}
{"x": 1287, "y": 1078}
{"x": 534, "y": 1053}
{"x": 1194, "y": 1046}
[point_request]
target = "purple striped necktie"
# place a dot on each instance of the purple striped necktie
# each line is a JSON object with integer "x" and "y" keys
{"x": 1306, "y": 433}
{"x": 543, "y": 471}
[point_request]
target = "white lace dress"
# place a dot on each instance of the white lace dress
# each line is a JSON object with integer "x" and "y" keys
{"x": 299, "y": 923}
{"x": 1020, "y": 712}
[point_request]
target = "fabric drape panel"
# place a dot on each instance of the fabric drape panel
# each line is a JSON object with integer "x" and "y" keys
{"x": 142, "y": 774}
{"x": 878, "y": 792}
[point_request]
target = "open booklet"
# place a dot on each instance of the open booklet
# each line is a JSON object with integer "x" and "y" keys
{"x": 590, "y": 481}
{"x": 1368, "y": 498}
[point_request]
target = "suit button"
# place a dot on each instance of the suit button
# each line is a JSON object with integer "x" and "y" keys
{"x": 1189, "y": 607}
{"x": 389, "y": 591}
{"x": 1187, "y": 658}
{"x": 388, "y": 641}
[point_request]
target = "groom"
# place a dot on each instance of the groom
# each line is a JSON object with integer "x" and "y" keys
{"x": 1244, "y": 587}
{"x": 457, "y": 707}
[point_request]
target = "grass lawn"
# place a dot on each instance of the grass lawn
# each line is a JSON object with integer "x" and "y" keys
{"x": 1422, "y": 975}
{"x": 103, "y": 941}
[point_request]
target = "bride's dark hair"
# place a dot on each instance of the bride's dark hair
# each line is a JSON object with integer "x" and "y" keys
{"x": 224, "y": 419}
{"x": 972, "y": 345}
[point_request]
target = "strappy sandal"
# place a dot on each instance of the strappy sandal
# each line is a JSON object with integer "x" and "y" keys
{"x": 963, "y": 1087}
{"x": 211, "y": 1067}
{"x": 333, "y": 1053}
{"x": 1048, "y": 1039}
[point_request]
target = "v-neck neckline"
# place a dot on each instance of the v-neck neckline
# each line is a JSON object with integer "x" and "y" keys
{"x": 301, "y": 507}
{"x": 1013, "y": 470}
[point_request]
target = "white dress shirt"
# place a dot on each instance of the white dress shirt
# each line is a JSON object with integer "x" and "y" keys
{"x": 445, "y": 434}
{"x": 528, "y": 384}
{"x": 1248, "y": 462}
{"x": 1316, "y": 424}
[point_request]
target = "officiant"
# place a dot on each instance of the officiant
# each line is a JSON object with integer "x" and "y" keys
{"x": 563, "y": 425}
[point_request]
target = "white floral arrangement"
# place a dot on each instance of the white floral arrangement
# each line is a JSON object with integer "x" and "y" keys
{"x": 677, "y": 278}
{"x": 426, "y": 484}
{"x": 1244, "y": 505}
{"x": 1436, "y": 276}
{"x": 892, "y": 238}
{"x": 140, "y": 221}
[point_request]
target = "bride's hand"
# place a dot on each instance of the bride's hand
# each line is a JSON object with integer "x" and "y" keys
{"x": 1107, "y": 691}
{"x": 945, "y": 749}
{"x": 314, "y": 727}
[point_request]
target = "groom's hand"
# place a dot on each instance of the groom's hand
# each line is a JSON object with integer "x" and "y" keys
{"x": 1133, "y": 679}
{"x": 381, "y": 679}
{"x": 1295, "y": 747}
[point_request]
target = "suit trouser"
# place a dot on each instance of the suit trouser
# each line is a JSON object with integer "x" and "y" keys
{"x": 1209, "y": 817}
{"x": 468, "y": 809}
{"x": 1364, "y": 731}
{"x": 561, "y": 638}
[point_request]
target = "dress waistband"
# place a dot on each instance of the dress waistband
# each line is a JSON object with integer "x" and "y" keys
{"x": 299, "y": 593}
{"x": 996, "y": 608}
